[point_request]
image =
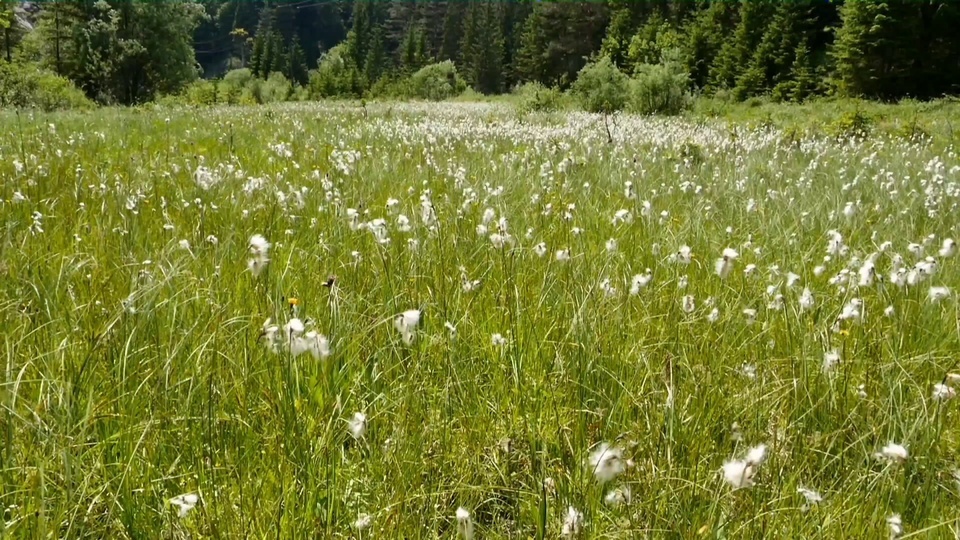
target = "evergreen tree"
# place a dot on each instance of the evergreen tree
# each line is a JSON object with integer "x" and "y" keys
{"x": 278, "y": 57}
{"x": 376, "y": 61}
{"x": 735, "y": 54}
{"x": 413, "y": 49}
{"x": 482, "y": 48}
{"x": 704, "y": 38}
{"x": 452, "y": 31}
{"x": 297, "y": 65}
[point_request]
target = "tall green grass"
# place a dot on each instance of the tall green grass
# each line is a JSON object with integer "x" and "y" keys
{"x": 134, "y": 369}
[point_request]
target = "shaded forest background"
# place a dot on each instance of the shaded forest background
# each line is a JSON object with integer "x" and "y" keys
{"x": 133, "y": 51}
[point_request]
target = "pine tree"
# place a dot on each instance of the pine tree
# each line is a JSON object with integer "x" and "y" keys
{"x": 262, "y": 59}
{"x": 278, "y": 57}
{"x": 856, "y": 52}
{"x": 735, "y": 54}
{"x": 297, "y": 65}
{"x": 452, "y": 31}
{"x": 412, "y": 49}
{"x": 704, "y": 38}
{"x": 376, "y": 61}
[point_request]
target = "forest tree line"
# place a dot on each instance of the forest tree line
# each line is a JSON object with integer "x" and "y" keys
{"x": 119, "y": 51}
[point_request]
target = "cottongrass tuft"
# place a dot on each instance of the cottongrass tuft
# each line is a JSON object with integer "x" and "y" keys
{"x": 406, "y": 323}
{"x": 895, "y": 525}
{"x": 811, "y": 497}
{"x": 572, "y": 523}
{"x": 619, "y": 496}
{"x": 363, "y": 522}
{"x": 185, "y": 503}
{"x": 357, "y": 426}
{"x": 740, "y": 473}
{"x": 943, "y": 392}
{"x": 606, "y": 462}
{"x": 464, "y": 523}
{"x": 893, "y": 452}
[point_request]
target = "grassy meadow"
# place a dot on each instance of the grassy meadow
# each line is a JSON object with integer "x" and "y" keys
{"x": 456, "y": 320}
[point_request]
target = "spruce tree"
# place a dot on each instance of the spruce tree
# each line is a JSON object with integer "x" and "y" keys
{"x": 297, "y": 65}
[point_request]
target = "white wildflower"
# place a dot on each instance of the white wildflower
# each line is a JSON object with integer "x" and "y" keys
{"x": 806, "y": 300}
{"x": 741, "y": 473}
{"x": 724, "y": 264}
{"x": 830, "y": 360}
{"x": 943, "y": 392}
{"x": 606, "y": 462}
{"x": 949, "y": 248}
{"x": 464, "y": 523}
{"x": 938, "y": 294}
{"x": 357, "y": 426}
{"x": 892, "y": 452}
{"x": 810, "y": 496}
{"x": 618, "y": 496}
{"x": 363, "y": 522}
{"x": 639, "y": 281}
{"x": 895, "y": 524}
{"x": 572, "y": 523}
{"x": 185, "y": 503}
{"x": 406, "y": 323}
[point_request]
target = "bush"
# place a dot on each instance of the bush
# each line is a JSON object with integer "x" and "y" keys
{"x": 853, "y": 124}
{"x": 276, "y": 88}
{"x": 601, "y": 87}
{"x": 535, "y": 97}
{"x": 658, "y": 89}
{"x": 335, "y": 76}
{"x": 28, "y": 86}
{"x": 437, "y": 82}
{"x": 201, "y": 93}
{"x": 391, "y": 86}
{"x": 228, "y": 92}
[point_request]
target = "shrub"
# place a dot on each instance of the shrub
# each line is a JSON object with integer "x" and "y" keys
{"x": 238, "y": 77}
{"x": 436, "y": 82}
{"x": 276, "y": 88}
{"x": 391, "y": 86}
{"x": 335, "y": 76}
{"x": 658, "y": 89}
{"x": 853, "y": 124}
{"x": 228, "y": 92}
{"x": 28, "y": 86}
{"x": 601, "y": 87}
{"x": 201, "y": 93}
{"x": 535, "y": 97}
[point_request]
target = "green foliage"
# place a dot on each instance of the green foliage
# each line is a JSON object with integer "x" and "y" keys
{"x": 659, "y": 89}
{"x": 137, "y": 365}
{"x": 201, "y": 93}
{"x": 649, "y": 44}
{"x": 126, "y": 53}
{"x": 437, "y": 82}
{"x": 535, "y": 97}
{"x": 852, "y": 124}
{"x": 482, "y": 49}
{"x": 336, "y": 76}
{"x": 31, "y": 87}
{"x": 601, "y": 87}
{"x": 130, "y": 51}
{"x": 276, "y": 88}
{"x": 231, "y": 87}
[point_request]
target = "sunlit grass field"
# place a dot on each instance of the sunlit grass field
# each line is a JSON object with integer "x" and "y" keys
{"x": 432, "y": 321}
